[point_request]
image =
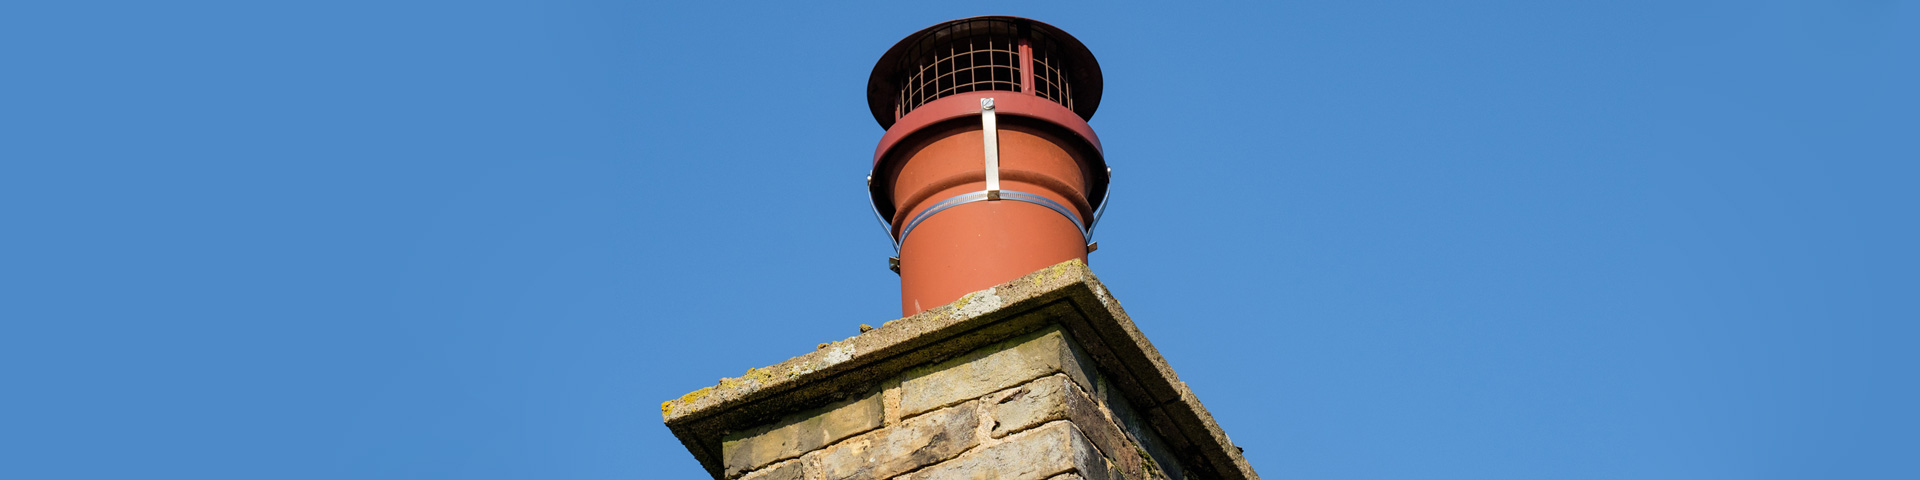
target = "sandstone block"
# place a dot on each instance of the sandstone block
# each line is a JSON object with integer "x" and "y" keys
{"x": 1152, "y": 453}
{"x": 799, "y": 434}
{"x": 1037, "y": 402}
{"x": 1057, "y": 398}
{"x": 1036, "y": 454}
{"x": 924, "y": 440}
{"x": 992, "y": 368}
{"x": 788, "y": 470}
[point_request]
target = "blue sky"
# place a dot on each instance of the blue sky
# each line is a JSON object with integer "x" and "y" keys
{"x": 476, "y": 240}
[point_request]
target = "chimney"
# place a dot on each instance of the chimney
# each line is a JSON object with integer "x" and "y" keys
{"x": 988, "y": 169}
{"x": 1011, "y": 360}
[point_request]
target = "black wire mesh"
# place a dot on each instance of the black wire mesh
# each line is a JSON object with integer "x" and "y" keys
{"x": 1050, "y": 72}
{"x": 979, "y": 55}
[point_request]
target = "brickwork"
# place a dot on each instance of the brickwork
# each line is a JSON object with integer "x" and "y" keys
{"x": 1024, "y": 408}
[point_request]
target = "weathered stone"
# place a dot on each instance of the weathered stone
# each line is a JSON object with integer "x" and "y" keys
{"x": 890, "y": 399}
{"x": 1036, "y": 402}
{"x": 1041, "y": 401}
{"x": 1136, "y": 387}
{"x": 799, "y": 434}
{"x": 789, "y": 470}
{"x": 1113, "y": 444}
{"x": 1154, "y": 459}
{"x": 992, "y": 368}
{"x": 1055, "y": 398}
{"x": 1036, "y": 454}
{"x": 922, "y": 441}
{"x": 1153, "y": 469}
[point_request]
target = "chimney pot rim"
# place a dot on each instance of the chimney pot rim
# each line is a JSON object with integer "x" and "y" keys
{"x": 1087, "y": 89}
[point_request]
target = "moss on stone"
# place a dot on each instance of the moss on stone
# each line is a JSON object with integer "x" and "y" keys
{"x": 1152, "y": 470}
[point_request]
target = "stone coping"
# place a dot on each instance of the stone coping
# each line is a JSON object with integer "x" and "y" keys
{"x": 1066, "y": 294}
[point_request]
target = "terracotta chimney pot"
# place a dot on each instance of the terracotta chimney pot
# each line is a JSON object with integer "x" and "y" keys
{"x": 988, "y": 169}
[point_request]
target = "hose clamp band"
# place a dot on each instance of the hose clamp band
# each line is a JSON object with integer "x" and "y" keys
{"x": 986, "y": 195}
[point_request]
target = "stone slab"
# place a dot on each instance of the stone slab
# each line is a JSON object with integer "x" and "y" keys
{"x": 986, "y": 370}
{"x": 788, "y": 470}
{"x": 799, "y": 433}
{"x": 921, "y": 441}
{"x": 1036, "y": 454}
{"x": 1059, "y": 398}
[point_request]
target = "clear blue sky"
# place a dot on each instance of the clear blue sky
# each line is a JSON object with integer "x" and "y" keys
{"x": 483, "y": 240}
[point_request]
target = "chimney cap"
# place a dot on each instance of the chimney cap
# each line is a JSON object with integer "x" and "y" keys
{"x": 883, "y": 84}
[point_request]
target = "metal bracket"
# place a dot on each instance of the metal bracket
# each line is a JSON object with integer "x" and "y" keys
{"x": 1099, "y": 211}
{"x": 884, "y": 226}
{"x": 990, "y": 131}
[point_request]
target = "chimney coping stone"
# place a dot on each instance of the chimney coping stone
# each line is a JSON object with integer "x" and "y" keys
{"x": 1066, "y": 294}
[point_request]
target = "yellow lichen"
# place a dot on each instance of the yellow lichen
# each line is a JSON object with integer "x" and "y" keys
{"x": 666, "y": 407}
{"x": 761, "y": 375}
{"x": 1058, "y": 270}
{"x": 957, "y": 305}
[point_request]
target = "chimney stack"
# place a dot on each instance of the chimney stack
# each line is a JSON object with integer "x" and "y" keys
{"x": 1011, "y": 360}
{"x": 988, "y": 169}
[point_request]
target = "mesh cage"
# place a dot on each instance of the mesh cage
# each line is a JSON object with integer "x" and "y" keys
{"x": 980, "y": 54}
{"x": 1050, "y": 71}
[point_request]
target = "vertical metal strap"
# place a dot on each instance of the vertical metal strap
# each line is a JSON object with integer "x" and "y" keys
{"x": 991, "y": 132}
